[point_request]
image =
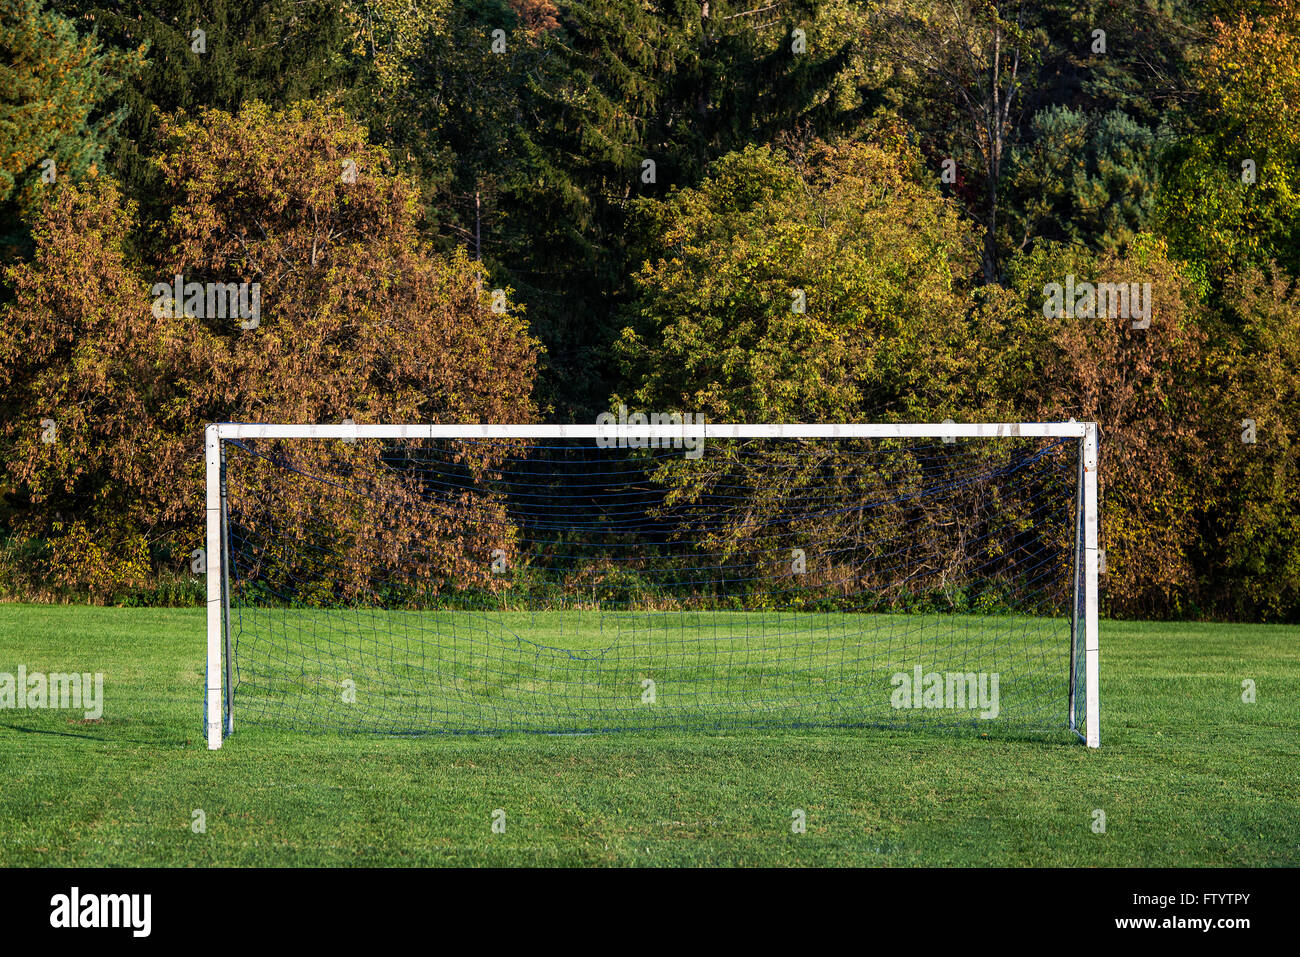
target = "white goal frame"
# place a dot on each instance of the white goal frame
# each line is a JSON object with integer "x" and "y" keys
{"x": 218, "y": 597}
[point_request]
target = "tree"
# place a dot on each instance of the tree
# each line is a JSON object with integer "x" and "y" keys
{"x": 976, "y": 57}
{"x": 54, "y": 126}
{"x": 825, "y": 285}
{"x": 358, "y": 318}
{"x": 532, "y": 143}
{"x": 1151, "y": 392}
{"x": 1017, "y": 97}
{"x": 1251, "y": 538}
{"x": 218, "y": 54}
{"x": 1082, "y": 179}
{"x": 1229, "y": 198}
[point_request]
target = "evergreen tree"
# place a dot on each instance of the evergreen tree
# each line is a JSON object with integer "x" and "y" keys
{"x": 214, "y": 54}
{"x": 533, "y": 142}
{"x": 54, "y": 126}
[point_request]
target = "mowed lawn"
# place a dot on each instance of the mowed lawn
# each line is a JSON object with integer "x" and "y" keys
{"x": 1188, "y": 773}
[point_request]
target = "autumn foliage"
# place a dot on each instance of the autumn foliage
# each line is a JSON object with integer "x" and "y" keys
{"x": 358, "y": 320}
{"x": 518, "y": 209}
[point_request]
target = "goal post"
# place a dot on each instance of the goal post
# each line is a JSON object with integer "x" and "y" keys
{"x": 649, "y": 590}
{"x": 215, "y": 600}
{"x": 1092, "y": 644}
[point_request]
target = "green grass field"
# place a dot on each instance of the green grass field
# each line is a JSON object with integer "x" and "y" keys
{"x": 1188, "y": 773}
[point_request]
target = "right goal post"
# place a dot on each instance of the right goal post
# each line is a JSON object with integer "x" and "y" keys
{"x": 652, "y": 573}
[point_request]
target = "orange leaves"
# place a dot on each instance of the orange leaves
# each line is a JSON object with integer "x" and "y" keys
{"x": 357, "y": 320}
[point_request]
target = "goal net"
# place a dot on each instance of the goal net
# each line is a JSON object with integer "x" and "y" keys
{"x": 578, "y": 579}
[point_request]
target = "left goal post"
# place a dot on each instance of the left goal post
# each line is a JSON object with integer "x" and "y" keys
{"x": 219, "y": 716}
{"x": 213, "y": 570}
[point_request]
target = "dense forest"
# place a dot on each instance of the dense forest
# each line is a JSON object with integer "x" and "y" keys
{"x": 753, "y": 210}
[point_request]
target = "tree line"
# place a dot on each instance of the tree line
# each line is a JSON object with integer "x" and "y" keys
{"x": 769, "y": 210}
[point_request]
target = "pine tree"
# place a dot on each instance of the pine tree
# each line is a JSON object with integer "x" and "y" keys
{"x": 533, "y": 142}
{"x": 218, "y": 54}
{"x": 53, "y": 123}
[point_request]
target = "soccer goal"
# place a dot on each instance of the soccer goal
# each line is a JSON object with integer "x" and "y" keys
{"x": 652, "y": 574}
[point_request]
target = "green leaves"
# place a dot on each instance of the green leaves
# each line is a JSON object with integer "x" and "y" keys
{"x": 1230, "y": 198}
{"x": 797, "y": 287}
{"x": 54, "y": 125}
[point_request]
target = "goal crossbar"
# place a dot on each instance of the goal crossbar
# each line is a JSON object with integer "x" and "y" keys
{"x": 219, "y": 718}
{"x": 243, "y": 430}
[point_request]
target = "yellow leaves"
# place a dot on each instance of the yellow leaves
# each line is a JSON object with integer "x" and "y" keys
{"x": 104, "y": 560}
